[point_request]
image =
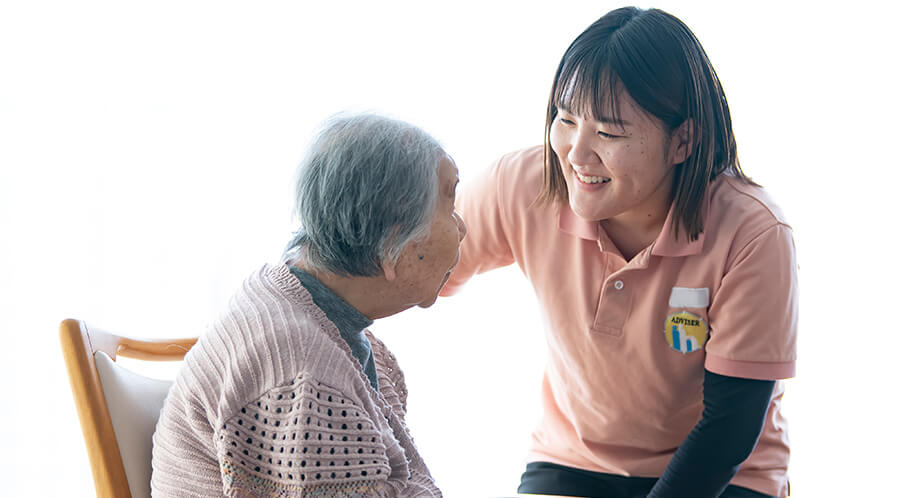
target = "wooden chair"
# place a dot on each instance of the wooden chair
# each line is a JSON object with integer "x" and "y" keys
{"x": 118, "y": 408}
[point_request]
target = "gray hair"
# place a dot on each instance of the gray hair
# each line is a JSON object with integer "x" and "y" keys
{"x": 368, "y": 185}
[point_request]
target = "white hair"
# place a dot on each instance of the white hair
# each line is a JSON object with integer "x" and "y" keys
{"x": 368, "y": 185}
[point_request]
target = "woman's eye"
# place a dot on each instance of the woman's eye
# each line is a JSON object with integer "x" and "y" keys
{"x": 566, "y": 121}
{"x": 605, "y": 135}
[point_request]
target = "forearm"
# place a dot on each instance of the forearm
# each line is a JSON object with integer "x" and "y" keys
{"x": 732, "y": 420}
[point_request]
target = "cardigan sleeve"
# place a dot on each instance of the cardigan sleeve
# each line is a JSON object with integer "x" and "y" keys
{"x": 302, "y": 439}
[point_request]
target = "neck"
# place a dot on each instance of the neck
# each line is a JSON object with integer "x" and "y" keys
{"x": 631, "y": 241}
{"x": 634, "y": 230}
{"x": 366, "y": 294}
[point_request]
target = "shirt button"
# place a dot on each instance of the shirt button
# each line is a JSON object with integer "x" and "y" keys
{"x": 619, "y": 284}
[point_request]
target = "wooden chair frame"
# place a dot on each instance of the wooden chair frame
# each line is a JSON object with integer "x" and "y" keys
{"x": 79, "y": 343}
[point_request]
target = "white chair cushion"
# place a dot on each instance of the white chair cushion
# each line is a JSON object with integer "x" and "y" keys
{"x": 134, "y": 403}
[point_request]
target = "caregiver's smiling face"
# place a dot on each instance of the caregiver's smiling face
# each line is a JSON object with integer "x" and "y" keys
{"x": 619, "y": 170}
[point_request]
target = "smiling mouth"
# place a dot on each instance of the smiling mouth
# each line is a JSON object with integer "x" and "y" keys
{"x": 590, "y": 180}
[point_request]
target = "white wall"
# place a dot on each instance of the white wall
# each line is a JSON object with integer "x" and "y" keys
{"x": 147, "y": 148}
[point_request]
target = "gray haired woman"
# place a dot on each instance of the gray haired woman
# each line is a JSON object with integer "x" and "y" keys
{"x": 287, "y": 393}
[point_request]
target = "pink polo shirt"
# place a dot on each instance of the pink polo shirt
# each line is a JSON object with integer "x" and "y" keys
{"x": 629, "y": 341}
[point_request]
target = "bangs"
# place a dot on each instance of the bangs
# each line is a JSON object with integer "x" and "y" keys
{"x": 588, "y": 88}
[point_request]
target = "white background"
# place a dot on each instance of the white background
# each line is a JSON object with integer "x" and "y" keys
{"x": 147, "y": 148}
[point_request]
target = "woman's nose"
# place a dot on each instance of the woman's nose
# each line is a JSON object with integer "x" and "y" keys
{"x": 581, "y": 151}
{"x": 462, "y": 227}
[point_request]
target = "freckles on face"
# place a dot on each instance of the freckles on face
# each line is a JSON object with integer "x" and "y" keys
{"x": 436, "y": 256}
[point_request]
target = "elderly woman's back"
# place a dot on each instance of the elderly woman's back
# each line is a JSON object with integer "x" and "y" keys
{"x": 287, "y": 393}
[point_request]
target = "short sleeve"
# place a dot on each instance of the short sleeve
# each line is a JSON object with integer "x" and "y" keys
{"x": 304, "y": 439}
{"x": 754, "y": 313}
{"x": 485, "y": 246}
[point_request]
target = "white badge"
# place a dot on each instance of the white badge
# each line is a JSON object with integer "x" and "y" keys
{"x": 686, "y": 297}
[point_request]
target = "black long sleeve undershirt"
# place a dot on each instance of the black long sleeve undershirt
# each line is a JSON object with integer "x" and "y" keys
{"x": 732, "y": 420}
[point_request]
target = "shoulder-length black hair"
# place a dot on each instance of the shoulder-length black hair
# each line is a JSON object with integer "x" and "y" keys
{"x": 658, "y": 61}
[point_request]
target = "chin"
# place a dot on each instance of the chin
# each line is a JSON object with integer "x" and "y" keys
{"x": 580, "y": 205}
{"x": 586, "y": 213}
{"x": 427, "y": 304}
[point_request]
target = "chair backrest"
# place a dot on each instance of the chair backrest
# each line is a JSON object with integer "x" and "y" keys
{"x": 118, "y": 408}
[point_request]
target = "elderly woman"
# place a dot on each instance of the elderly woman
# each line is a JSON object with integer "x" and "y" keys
{"x": 288, "y": 394}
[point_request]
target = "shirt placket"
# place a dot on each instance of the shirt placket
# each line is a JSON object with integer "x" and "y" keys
{"x": 616, "y": 296}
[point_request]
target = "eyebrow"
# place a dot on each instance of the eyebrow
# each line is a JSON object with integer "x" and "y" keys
{"x": 600, "y": 119}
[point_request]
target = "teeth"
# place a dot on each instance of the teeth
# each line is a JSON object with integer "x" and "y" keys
{"x": 592, "y": 179}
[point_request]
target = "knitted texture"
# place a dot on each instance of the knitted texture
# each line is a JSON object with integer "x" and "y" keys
{"x": 271, "y": 402}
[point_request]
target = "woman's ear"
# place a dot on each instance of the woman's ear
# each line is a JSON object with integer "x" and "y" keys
{"x": 681, "y": 142}
{"x": 389, "y": 268}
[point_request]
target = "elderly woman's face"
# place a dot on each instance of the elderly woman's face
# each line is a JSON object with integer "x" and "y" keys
{"x": 424, "y": 266}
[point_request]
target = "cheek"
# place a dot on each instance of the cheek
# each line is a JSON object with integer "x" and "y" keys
{"x": 628, "y": 161}
{"x": 443, "y": 247}
{"x": 451, "y": 243}
{"x": 557, "y": 140}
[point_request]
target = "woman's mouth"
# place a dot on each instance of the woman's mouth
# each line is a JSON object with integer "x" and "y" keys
{"x": 591, "y": 180}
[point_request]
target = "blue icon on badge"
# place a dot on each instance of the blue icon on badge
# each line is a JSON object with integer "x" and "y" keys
{"x": 682, "y": 342}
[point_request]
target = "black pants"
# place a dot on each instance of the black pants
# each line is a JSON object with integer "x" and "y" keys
{"x": 549, "y": 478}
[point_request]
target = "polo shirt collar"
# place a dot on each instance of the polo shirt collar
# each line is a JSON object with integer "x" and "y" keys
{"x": 668, "y": 245}
{"x": 665, "y": 245}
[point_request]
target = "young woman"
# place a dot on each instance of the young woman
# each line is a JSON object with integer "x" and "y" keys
{"x": 667, "y": 276}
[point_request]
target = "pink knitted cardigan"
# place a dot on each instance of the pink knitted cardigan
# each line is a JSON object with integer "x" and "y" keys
{"x": 271, "y": 402}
